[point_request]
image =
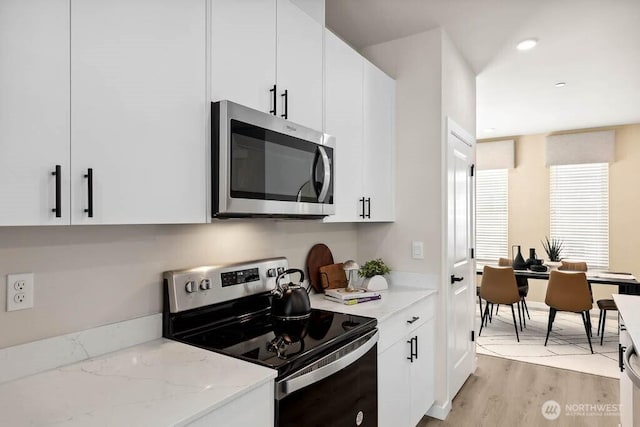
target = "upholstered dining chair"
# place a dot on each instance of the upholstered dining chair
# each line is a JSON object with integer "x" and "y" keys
{"x": 498, "y": 286}
{"x": 523, "y": 290}
{"x": 573, "y": 266}
{"x": 569, "y": 292}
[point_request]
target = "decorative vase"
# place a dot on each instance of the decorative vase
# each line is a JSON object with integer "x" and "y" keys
{"x": 518, "y": 262}
{"x": 375, "y": 283}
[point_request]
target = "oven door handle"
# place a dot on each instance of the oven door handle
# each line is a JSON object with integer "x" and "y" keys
{"x": 288, "y": 386}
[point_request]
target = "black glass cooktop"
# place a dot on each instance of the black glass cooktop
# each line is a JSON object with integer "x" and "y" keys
{"x": 282, "y": 345}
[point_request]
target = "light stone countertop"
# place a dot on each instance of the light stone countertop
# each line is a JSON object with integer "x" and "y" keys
{"x": 159, "y": 383}
{"x": 393, "y": 300}
{"x": 629, "y": 308}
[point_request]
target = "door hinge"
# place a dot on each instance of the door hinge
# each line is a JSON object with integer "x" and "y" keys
{"x": 473, "y": 253}
{"x": 472, "y": 170}
{"x": 473, "y": 336}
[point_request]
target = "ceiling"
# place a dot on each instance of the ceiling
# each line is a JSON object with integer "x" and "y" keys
{"x": 592, "y": 45}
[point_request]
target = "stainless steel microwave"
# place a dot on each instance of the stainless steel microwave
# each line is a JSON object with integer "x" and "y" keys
{"x": 265, "y": 166}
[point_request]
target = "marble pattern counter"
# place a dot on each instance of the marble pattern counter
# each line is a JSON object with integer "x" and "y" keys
{"x": 393, "y": 300}
{"x": 159, "y": 383}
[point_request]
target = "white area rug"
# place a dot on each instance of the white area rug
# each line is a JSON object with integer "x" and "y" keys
{"x": 567, "y": 348}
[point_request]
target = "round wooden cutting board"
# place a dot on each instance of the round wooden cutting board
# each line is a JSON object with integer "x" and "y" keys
{"x": 319, "y": 255}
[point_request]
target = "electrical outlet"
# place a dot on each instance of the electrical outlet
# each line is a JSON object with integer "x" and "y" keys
{"x": 19, "y": 291}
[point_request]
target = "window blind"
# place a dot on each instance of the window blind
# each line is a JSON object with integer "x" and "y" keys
{"x": 579, "y": 207}
{"x": 492, "y": 214}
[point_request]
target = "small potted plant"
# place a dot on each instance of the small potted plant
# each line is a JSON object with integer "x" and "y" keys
{"x": 553, "y": 248}
{"x": 373, "y": 272}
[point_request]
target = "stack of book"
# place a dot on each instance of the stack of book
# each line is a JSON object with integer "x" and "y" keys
{"x": 356, "y": 296}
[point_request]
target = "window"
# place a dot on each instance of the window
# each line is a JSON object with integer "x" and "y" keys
{"x": 492, "y": 214}
{"x": 579, "y": 205}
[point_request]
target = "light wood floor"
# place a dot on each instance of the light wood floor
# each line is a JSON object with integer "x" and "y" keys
{"x": 505, "y": 392}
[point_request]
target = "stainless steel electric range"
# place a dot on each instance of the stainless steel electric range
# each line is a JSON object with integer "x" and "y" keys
{"x": 326, "y": 363}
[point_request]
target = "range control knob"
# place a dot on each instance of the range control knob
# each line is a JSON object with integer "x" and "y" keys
{"x": 190, "y": 286}
{"x": 280, "y": 270}
{"x": 205, "y": 284}
{"x": 271, "y": 272}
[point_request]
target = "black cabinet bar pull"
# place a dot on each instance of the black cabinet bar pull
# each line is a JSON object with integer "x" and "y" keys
{"x": 416, "y": 337}
{"x": 89, "y": 176}
{"x": 285, "y": 95}
{"x": 273, "y": 99}
{"x": 410, "y": 342}
{"x": 369, "y": 207}
{"x": 362, "y": 215}
{"x": 58, "y": 174}
{"x": 413, "y": 319}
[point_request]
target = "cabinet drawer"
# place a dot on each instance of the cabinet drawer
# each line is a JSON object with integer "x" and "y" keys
{"x": 404, "y": 322}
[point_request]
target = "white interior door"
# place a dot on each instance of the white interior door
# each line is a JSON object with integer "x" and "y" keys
{"x": 461, "y": 290}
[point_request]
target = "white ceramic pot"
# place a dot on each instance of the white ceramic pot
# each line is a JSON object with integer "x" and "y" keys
{"x": 553, "y": 265}
{"x": 375, "y": 283}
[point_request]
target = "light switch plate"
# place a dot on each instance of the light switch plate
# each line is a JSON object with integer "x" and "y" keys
{"x": 417, "y": 249}
{"x": 19, "y": 291}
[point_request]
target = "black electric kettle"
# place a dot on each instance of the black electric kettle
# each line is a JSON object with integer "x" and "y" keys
{"x": 290, "y": 300}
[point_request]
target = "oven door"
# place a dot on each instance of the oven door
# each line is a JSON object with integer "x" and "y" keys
{"x": 341, "y": 389}
{"x": 269, "y": 166}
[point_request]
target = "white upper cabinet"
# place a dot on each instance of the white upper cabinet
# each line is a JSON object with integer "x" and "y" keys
{"x": 360, "y": 113}
{"x": 34, "y": 111}
{"x": 344, "y": 120}
{"x": 267, "y": 55}
{"x": 243, "y": 46}
{"x": 379, "y": 145}
{"x": 138, "y": 107}
{"x": 299, "y": 66}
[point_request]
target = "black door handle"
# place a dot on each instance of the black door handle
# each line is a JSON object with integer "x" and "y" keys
{"x": 58, "y": 174}
{"x": 410, "y": 342}
{"x": 285, "y": 95}
{"x": 413, "y": 319}
{"x": 416, "y": 337}
{"x": 362, "y": 215}
{"x": 456, "y": 279}
{"x": 273, "y": 99}
{"x": 89, "y": 176}
{"x": 369, "y": 207}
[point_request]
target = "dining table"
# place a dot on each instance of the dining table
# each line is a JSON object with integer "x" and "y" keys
{"x": 626, "y": 282}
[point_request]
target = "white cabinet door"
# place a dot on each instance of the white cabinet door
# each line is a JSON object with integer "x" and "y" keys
{"x": 138, "y": 105}
{"x": 394, "y": 386}
{"x": 299, "y": 65}
{"x": 34, "y": 111}
{"x": 343, "y": 119}
{"x": 243, "y": 52}
{"x": 422, "y": 372}
{"x": 379, "y": 145}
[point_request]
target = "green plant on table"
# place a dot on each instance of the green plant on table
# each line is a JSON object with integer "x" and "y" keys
{"x": 553, "y": 248}
{"x": 373, "y": 267}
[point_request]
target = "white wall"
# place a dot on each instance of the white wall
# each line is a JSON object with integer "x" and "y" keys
{"x": 86, "y": 276}
{"x": 433, "y": 82}
{"x": 415, "y": 64}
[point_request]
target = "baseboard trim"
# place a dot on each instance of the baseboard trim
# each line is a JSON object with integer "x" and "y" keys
{"x": 439, "y": 410}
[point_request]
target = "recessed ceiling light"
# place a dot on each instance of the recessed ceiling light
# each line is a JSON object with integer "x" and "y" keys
{"x": 527, "y": 44}
{"x": 561, "y": 84}
{"x": 489, "y": 129}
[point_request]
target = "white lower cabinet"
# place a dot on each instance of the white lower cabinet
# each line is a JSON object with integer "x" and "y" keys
{"x": 255, "y": 409}
{"x": 406, "y": 367}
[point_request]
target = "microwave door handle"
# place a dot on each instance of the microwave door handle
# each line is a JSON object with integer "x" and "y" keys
{"x": 327, "y": 175}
